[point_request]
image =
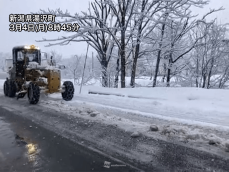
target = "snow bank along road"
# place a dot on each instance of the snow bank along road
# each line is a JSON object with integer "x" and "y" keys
{"x": 190, "y": 105}
{"x": 109, "y": 131}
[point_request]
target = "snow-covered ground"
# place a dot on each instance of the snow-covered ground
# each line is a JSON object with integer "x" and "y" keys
{"x": 193, "y": 105}
{"x": 191, "y": 115}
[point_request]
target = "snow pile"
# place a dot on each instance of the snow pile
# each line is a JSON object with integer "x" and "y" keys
{"x": 54, "y": 68}
{"x": 182, "y": 132}
{"x": 193, "y": 134}
{"x": 33, "y": 65}
{"x": 87, "y": 112}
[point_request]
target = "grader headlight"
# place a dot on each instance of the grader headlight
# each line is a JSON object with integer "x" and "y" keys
{"x": 31, "y": 47}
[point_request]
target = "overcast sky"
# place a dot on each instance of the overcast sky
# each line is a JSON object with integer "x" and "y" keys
{"x": 10, "y": 39}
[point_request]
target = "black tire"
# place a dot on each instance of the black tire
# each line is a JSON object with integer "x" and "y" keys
{"x": 12, "y": 89}
{"x": 33, "y": 93}
{"x": 6, "y": 88}
{"x": 68, "y": 94}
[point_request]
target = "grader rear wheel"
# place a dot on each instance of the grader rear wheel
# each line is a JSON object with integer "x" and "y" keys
{"x": 6, "y": 88}
{"x": 33, "y": 93}
{"x": 68, "y": 94}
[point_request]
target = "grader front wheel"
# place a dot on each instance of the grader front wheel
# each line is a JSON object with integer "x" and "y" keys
{"x": 12, "y": 89}
{"x": 33, "y": 93}
{"x": 68, "y": 94}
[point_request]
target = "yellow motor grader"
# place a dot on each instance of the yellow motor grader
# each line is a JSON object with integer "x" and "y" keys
{"x": 27, "y": 75}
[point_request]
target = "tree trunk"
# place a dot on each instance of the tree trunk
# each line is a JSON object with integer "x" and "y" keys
{"x": 104, "y": 64}
{"x": 157, "y": 68}
{"x": 197, "y": 84}
{"x": 123, "y": 59}
{"x": 204, "y": 81}
{"x": 137, "y": 49}
{"x": 210, "y": 73}
{"x": 151, "y": 75}
{"x": 220, "y": 82}
{"x": 134, "y": 66}
{"x": 163, "y": 79}
{"x": 133, "y": 73}
{"x": 168, "y": 78}
{"x": 169, "y": 72}
{"x": 209, "y": 79}
{"x": 158, "y": 57}
{"x": 197, "y": 72}
{"x": 117, "y": 74}
{"x": 169, "y": 68}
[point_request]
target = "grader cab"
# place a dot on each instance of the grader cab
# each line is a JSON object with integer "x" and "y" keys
{"x": 27, "y": 75}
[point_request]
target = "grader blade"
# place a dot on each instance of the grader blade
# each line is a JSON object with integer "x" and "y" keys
{"x": 21, "y": 95}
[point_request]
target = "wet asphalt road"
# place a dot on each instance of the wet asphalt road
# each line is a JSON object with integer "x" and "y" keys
{"x": 25, "y": 146}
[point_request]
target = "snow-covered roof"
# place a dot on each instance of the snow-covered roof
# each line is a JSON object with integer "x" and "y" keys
{"x": 19, "y": 47}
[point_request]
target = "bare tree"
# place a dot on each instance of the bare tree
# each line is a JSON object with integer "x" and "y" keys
{"x": 123, "y": 12}
{"x": 209, "y": 55}
{"x": 74, "y": 67}
{"x": 176, "y": 27}
{"x": 55, "y": 57}
{"x": 143, "y": 23}
{"x": 92, "y": 31}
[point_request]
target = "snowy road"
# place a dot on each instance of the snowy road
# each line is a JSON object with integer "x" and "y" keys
{"x": 149, "y": 154}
